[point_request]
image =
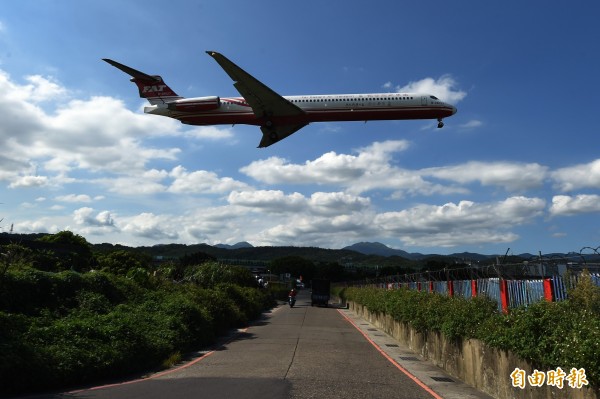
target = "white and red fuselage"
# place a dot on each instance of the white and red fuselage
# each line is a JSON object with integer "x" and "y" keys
{"x": 317, "y": 108}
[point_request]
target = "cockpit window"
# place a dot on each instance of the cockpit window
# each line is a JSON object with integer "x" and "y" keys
{"x": 434, "y": 97}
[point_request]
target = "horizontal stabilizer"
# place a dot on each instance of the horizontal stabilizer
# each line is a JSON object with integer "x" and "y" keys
{"x": 134, "y": 73}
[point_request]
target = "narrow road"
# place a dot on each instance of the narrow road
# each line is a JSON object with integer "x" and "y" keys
{"x": 301, "y": 352}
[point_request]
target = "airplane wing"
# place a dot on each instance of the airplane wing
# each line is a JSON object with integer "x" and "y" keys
{"x": 264, "y": 101}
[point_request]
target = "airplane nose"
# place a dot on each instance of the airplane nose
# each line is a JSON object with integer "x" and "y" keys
{"x": 454, "y": 110}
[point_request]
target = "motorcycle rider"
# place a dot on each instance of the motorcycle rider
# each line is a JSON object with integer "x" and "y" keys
{"x": 292, "y": 295}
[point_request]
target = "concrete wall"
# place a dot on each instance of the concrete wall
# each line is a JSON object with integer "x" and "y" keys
{"x": 471, "y": 361}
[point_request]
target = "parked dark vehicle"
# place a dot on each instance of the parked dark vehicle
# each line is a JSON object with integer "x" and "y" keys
{"x": 320, "y": 292}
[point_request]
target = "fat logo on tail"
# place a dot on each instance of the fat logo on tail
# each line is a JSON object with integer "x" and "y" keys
{"x": 151, "y": 87}
{"x": 155, "y": 91}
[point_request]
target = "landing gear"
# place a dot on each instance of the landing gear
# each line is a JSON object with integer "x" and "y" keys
{"x": 274, "y": 136}
{"x": 440, "y": 123}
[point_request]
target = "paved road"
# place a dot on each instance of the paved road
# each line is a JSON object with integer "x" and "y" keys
{"x": 304, "y": 352}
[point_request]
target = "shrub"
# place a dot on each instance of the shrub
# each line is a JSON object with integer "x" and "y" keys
{"x": 68, "y": 328}
{"x": 210, "y": 274}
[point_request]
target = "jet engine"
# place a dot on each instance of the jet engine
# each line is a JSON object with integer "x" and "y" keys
{"x": 195, "y": 104}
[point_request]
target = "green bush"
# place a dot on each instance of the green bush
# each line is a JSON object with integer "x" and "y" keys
{"x": 60, "y": 329}
{"x": 211, "y": 274}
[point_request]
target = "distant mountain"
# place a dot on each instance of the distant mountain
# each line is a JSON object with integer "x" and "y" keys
{"x": 377, "y": 248}
{"x": 242, "y": 244}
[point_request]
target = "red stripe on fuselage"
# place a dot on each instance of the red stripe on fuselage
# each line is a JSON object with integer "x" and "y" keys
{"x": 316, "y": 115}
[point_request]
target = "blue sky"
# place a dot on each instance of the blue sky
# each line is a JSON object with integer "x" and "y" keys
{"x": 517, "y": 167}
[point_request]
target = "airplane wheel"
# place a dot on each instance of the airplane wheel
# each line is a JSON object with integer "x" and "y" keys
{"x": 273, "y": 136}
{"x": 440, "y": 125}
{"x": 269, "y": 124}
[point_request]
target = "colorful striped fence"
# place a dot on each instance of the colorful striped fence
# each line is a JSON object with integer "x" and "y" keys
{"x": 507, "y": 293}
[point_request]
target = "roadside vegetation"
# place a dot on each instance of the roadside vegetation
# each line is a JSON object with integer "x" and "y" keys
{"x": 69, "y": 316}
{"x": 548, "y": 334}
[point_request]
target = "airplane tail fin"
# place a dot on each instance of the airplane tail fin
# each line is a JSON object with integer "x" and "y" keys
{"x": 151, "y": 87}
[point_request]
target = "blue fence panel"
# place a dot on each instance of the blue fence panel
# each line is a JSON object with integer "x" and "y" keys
{"x": 441, "y": 287}
{"x": 490, "y": 287}
{"x": 535, "y": 290}
{"x": 463, "y": 288}
{"x": 524, "y": 292}
{"x": 560, "y": 290}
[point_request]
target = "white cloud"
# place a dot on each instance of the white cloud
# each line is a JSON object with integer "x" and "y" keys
{"x": 564, "y": 205}
{"x": 319, "y": 203}
{"x": 98, "y": 134}
{"x": 40, "y": 89}
{"x": 330, "y": 168}
{"x": 74, "y": 198}
{"x": 150, "y": 226}
{"x": 444, "y": 88}
{"x": 84, "y": 216}
{"x": 512, "y": 176}
{"x": 271, "y": 201}
{"x": 320, "y": 231}
{"x": 209, "y": 133}
{"x": 372, "y": 168}
{"x": 202, "y": 181}
{"x": 144, "y": 183}
{"x": 578, "y": 176}
{"x": 29, "y": 181}
{"x": 460, "y": 224}
{"x": 472, "y": 124}
{"x": 42, "y": 225}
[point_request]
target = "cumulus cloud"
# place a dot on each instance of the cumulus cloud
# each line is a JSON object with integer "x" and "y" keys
{"x": 39, "y": 89}
{"x": 202, "y": 181}
{"x": 513, "y": 176}
{"x": 74, "y": 198}
{"x": 472, "y": 124}
{"x": 319, "y": 203}
{"x": 29, "y": 181}
{"x": 330, "y": 168}
{"x": 464, "y": 223}
{"x": 217, "y": 224}
{"x": 565, "y": 205}
{"x": 578, "y": 176}
{"x": 444, "y": 88}
{"x": 98, "y": 134}
{"x": 144, "y": 183}
{"x": 273, "y": 201}
{"x": 212, "y": 133}
{"x": 317, "y": 230}
{"x": 84, "y": 217}
{"x": 151, "y": 226}
{"x": 373, "y": 168}
{"x": 42, "y": 225}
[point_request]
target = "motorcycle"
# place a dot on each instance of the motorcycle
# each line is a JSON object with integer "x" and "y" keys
{"x": 291, "y": 301}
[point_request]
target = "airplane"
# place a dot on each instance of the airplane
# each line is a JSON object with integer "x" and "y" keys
{"x": 279, "y": 116}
